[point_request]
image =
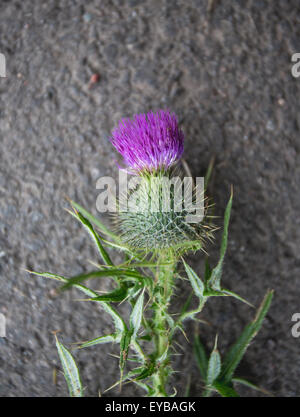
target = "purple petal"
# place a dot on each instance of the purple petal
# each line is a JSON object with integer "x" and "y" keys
{"x": 149, "y": 141}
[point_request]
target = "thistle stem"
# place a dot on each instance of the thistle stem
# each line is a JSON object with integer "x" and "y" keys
{"x": 164, "y": 290}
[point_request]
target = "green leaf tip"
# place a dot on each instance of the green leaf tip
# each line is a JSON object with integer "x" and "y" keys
{"x": 70, "y": 370}
{"x": 216, "y": 274}
{"x": 101, "y": 340}
{"x": 214, "y": 366}
{"x": 239, "y": 348}
{"x": 195, "y": 281}
{"x": 94, "y": 220}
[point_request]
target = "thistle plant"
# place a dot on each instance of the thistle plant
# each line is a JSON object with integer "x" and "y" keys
{"x": 154, "y": 243}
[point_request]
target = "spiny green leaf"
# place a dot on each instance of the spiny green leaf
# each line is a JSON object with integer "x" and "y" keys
{"x": 130, "y": 375}
{"x": 120, "y": 247}
{"x": 209, "y": 292}
{"x": 189, "y": 315}
{"x": 214, "y": 366}
{"x": 134, "y": 290}
{"x": 134, "y": 265}
{"x": 250, "y": 385}
{"x": 124, "y": 347}
{"x": 238, "y": 350}
{"x": 108, "y": 272}
{"x": 147, "y": 337}
{"x": 118, "y": 321}
{"x": 96, "y": 238}
{"x": 136, "y": 315}
{"x": 146, "y": 387}
{"x": 216, "y": 274}
{"x": 115, "y": 296}
{"x": 100, "y": 340}
{"x": 163, "y": 356}
{"x": 201, "y": 357}
{"x": 95, "y": 221}
{"x": 143, "y": 281}
{"x": 196, "y": 282}
{"x": 238, "y": 297}
{"x": 70, "y": 369}
{"x": 170, "y": 320}
{"x": 136, "y": 346}
{"x": 146, "y": 372}
{"x": 225, "y": 390}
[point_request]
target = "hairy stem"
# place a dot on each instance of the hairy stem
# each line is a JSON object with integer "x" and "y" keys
{"x": 164, "y": 290}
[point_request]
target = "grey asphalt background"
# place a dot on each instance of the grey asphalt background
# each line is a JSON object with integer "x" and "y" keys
{"x": 225, "y": 68}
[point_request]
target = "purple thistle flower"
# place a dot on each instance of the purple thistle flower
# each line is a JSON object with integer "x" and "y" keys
{"x": 149, "y": 142}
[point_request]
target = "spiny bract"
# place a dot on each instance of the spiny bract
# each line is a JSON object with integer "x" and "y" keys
{"x": 156, "y": 217}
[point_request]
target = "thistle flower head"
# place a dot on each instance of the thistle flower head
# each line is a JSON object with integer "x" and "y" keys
{"x": 156, "y": 217}
{"x": 149, "y": 142}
